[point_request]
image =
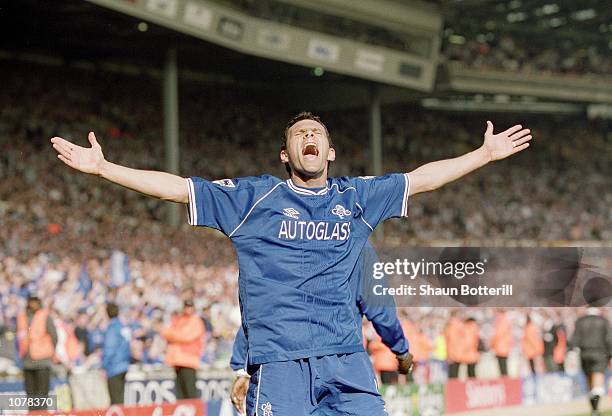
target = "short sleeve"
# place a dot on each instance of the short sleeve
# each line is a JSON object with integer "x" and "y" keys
{"x": 219, "y": 204}
{"x": 383, "y": 197}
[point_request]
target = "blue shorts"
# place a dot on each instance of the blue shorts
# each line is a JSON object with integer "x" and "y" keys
{"x": 342, "y": 384}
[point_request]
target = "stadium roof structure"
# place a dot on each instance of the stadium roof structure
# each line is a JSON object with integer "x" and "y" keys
{"x": 77, "y": 30}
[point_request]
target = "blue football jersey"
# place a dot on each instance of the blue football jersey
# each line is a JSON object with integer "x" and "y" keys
{"x": 381, "y": 312}
{"x": 297, "y": 249}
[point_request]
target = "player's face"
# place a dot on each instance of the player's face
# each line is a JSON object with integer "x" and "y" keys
{"x": 308, "y": 150}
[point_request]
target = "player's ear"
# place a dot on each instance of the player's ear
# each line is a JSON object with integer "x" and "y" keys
{"x": 284, "y": 157}
{"x": 331, "y": 155}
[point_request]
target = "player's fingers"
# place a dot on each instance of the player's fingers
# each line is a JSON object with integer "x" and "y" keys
{"x": 67, "y": 161}
{"x": 520, "y": 134}
{"x": 92, "y": 139}
{"x": 522, "y": 140}
{"x": 521, "y": 147}
{"x": 512, "y": 130}
{"x": 62, "y": 150}
{"x": 63, "y": 142}
{"x": 489, "y": 128}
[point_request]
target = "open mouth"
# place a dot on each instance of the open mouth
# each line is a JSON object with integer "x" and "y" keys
{"x": 310, "y": 149}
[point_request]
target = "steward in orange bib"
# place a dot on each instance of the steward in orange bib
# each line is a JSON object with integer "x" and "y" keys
{"x": 502, "y": 341}
{"x": 185, "y": 337}
{"x": 36, "y": 336}
{"x": 533, "y": 344}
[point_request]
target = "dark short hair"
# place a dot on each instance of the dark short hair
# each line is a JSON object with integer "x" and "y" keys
{"x": 112, "y": 310}
{"x": 304, "y": 115}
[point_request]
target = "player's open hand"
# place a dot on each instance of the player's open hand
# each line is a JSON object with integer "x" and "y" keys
{"x": 404, "y": 363}
{"x": 239, "y": 392}
{"x": 506, "y": 143}
{"x": 84, "y": 159}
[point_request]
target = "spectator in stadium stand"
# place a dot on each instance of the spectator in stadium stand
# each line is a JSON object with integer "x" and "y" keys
{"x": 502, "y": 340}
{"x": 593, "y": 336}
{"x": 116, "y": 354}
{"x": 533, "y": 345}
{"x": 68, "y": 351}
{"x": 471, "y": 354}
{"x": 208, "y": 326}
{"x": 185, "y": 337}
{"x": 37, "y": 338}
{"x": 454, "y": 333}
{"x": 80, "y": 330}
{"x": 8, "y": 353}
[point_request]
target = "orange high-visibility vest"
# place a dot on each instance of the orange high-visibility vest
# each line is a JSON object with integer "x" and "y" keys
{"x": 533, "y": 345}
{"x": 561, "y": 348}
{"x": 420, "y": 345}
{"x": 70, "y": 343}
{"x": 34, "y": 339}
{"x": 454, "y": 335}
{"x": 185, "y": 337}
{"x": 502, "y": 340}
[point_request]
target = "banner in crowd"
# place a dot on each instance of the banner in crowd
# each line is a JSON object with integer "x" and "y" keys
{"x": 149, "y": 388}
{"x": 463, "y": 396}
{"x": 414, "y": 399}
{"x": 553, "y": 388}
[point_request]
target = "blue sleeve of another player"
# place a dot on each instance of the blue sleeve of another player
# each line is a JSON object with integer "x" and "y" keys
{"x": 239, "y": 352}
{"x": 221, "y": 204}
{"x": 383, "y": 197}
{"x": 380, "y": 310}
{"x": 385, "y": 322}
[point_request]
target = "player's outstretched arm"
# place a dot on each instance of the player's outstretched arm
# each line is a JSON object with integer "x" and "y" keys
{"x": 91, "y": 160}
{"x": 495, "y": 147}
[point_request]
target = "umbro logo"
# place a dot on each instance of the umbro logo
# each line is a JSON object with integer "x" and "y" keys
{"x": 225, "y": 182}
{"x": 340, "y": 211}
{"x": 267, "y": 409}
{"x": 291, "y": 212}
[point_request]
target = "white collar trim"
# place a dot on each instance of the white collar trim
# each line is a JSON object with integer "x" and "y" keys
{"x": 304, "y": 191}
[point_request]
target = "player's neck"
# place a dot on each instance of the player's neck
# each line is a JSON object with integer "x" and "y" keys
{"x": 318, "y": 182}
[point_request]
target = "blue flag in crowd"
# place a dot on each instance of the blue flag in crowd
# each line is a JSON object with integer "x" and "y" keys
{"x": 84, "y": 280}
{"x": 120, "y": 269}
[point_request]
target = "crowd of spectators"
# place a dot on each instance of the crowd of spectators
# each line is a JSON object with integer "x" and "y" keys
{"x": 79, "y": 242}
{"x": 521, "y": 55}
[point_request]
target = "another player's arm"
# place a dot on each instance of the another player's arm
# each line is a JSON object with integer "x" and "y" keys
{"x": 160, "y": 185}
{"x": 433, "y": 175}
